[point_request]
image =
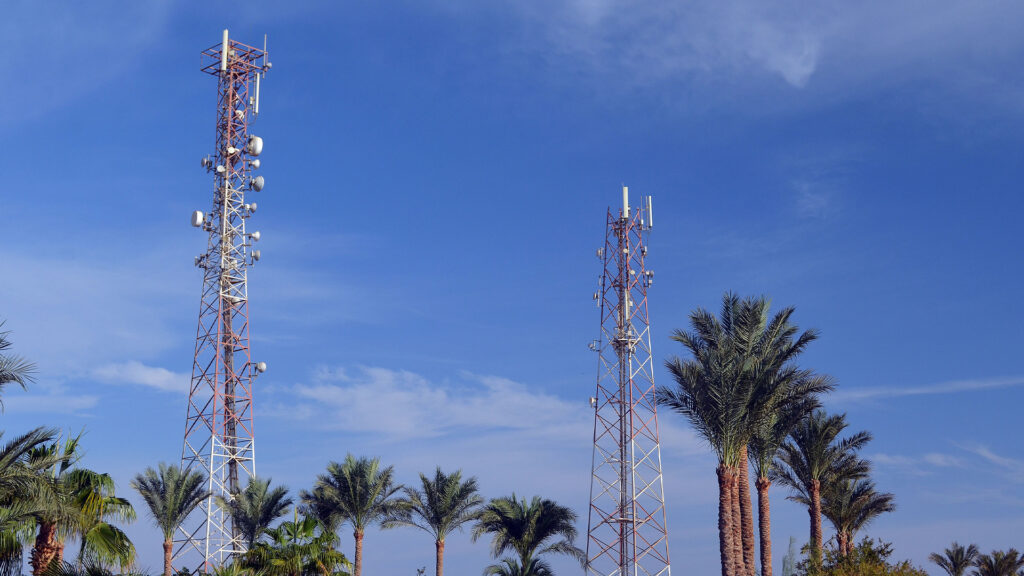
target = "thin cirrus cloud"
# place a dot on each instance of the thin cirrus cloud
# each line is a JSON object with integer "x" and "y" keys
{"x": 848, "y": 395}
{"x": 137, "y": 373}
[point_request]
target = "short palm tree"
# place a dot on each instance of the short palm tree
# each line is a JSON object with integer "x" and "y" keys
{"x": 85, "y": 505}
{"x": 814, "y": 455}
{"x": 171, "y": 495}
{"x": 956, "y": 559}
{"x": 528, "y": 530}
{"x": 443, "y": 505}
{"x": 254, "y": 509}
{"x": 357, "y": 492}
{"x": 300, "y": 547}
{"x": 850, "y": 505}
{"x": 999, "y": 563}
{"x": 13, "y": 369}
{"x": 25, "y": 494}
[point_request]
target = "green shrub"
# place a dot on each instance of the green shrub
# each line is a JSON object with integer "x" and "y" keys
{"x": 869, "y": 558}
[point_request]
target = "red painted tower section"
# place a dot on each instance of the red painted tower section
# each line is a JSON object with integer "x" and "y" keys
{"x": 219, "y": 439}
{"x": 627, "y": 532}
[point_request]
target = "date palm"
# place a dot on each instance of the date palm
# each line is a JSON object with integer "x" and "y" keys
{"x": 357, "y": 492}
{"x": 171, "y": 495}
{"x": 25, "y": 494}
{"x": 254, "y": 509}
{"x": 814, "y": 455}
{"x": 444, "y": 504}
{"x": 956, "y": 559}
{"x": 100, "y": 542}
{"x": 850, "y": 505}
{"x": 740, "y": 379}
{"x": 999, "y": 563}
{"x": 528, "y": 530}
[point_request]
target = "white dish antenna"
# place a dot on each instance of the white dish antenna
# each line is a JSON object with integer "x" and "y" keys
{"x": 256, "y": 183}
{"x": 255, "y": 145}
{"x": 197, "y": 218}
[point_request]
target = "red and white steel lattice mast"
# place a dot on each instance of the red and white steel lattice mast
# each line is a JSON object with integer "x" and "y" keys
{"x": 219, "y": 439}
{"x": 626, "y": 530}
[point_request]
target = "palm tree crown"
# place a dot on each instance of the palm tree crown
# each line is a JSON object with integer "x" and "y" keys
{"x": 528, "y": 529}
{"x": 13, "y": 369}
{"x": 956, "y": 559}
{"x": 171, "y": 495}
{"x": 356, "y": 491}
{"x": 999, "y": 563}
{"x": 850, "y": 505}
{"x": 443, "y": 505}
{"x": 254, "y": 509}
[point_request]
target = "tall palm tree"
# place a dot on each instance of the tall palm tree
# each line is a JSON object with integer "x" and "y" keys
{"x": 301, "y": 547}
{"x": 254, "y": 509}
{"x": 358, "y": 492}
{"x": 956, "y": 559}
{"x": 850, "y": 505}
{"x": 740, "y": 378}
{"x": 13, "y": 369}
{"x": 171, "y": 495}
{"x": 999, "y": 563}
{"x": 528, "y": 530}
{"x": 443, "y": 505}
{"x": 814, "y": 455}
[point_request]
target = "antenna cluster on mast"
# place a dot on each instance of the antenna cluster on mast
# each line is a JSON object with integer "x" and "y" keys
{"x": 219, "y": 439}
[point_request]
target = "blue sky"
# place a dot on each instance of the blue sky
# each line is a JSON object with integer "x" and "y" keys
{"x": 437, "y": 177}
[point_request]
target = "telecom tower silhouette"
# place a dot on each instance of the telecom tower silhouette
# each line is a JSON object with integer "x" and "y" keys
{"x": 626, "y": 529}
{"x": 219, "y": 438}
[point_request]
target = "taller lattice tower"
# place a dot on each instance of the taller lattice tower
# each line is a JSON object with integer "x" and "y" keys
{"x": 219, "y": 424}
{"x": 627, "y": 532}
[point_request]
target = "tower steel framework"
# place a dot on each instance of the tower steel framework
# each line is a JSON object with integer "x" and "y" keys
{"x": 219, "y": 440}
{"x": 627, "y": 532}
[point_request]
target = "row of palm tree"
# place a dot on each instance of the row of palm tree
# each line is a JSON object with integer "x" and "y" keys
{"x": 744, "y": 393}
{"x": 360, "y": 493}
{"x": 957, "y": 559}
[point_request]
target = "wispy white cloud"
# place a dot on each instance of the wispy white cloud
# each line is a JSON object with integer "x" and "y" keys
{"x": 137, "y": 373}
{"x": 48, "y": 397}
{"x": 1013, "y": 467}
{"x": 951, "y": 387}
{"x": 916, "y": 465}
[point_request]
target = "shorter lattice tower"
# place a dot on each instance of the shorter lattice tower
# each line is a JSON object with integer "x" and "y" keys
{"x": 219, "y": 440}
{"x": 626, "y": 530}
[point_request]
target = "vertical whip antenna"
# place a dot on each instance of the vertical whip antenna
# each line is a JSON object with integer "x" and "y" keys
{"x": 219, "y": 440}
{"x": 627, "y": 532}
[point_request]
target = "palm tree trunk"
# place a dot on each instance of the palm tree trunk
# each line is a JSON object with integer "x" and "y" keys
{"x": 725, "y": 519}
{"x": 168, "y": 548}
{"x": 358, "y": 570}
{"x": 737, "y": 527}
{"x": 746, "y": 513}
{"x": 815, "y": 511}
{"x": 439, "y": 571}
{"x": 44, "y": 550}
{"x": 764, "y": 521}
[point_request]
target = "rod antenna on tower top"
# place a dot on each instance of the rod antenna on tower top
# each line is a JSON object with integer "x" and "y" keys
{"x": 625, "y": 201}
{"x": 224, "y": 52}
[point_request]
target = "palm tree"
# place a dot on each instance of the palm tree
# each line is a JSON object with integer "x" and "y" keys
{"x": 254, "y": 509}
{"x": 956, "y": 559}
{"x": 850, "y": 505}
{"x": 741, "y": 378}
{"x": 443, "y": 505}
{"x": 529, "y": 530}
{"x": 99, "y": 541}
{"x": 813, "y": 456}
{"x": 13, "y": 369}
{"x": 999, "y": 563}
{"x": 25, "y": 494}
{"x": 171, "y": 495}
{"x": 296, "y": 548}
{"x": 358, "y": 492}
